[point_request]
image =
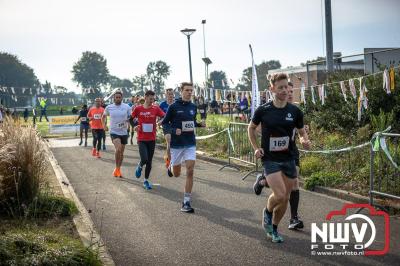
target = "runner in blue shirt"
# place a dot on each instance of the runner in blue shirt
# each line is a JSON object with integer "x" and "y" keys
{"x": 180, "y": 120}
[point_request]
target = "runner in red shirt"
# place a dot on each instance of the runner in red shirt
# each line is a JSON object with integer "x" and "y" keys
{"x": 94, "y": 115}
{"x": 146, "y": 134}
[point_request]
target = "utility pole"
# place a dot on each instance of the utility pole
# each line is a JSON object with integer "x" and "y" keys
{"x": 328, "y": 32}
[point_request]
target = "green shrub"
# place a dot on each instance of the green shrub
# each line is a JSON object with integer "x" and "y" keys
{"x": 310, "y": 164}
{"x": 382, "y": 121}
{"x": 334, "y": 141}
{"x": 34, "y": 246}
{"x": 48, "y": 206}
{"x": 322, "y": 178}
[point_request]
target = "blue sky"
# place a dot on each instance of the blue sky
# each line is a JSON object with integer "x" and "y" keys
{"x": 51, "y": 35}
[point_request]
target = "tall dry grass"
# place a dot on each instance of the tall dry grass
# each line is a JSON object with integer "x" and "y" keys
{"x": 22, "y": 166}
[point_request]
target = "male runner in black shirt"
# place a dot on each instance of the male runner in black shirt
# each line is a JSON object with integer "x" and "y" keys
{"x": 279, "y": 121}
{"x": 295, "y": 222}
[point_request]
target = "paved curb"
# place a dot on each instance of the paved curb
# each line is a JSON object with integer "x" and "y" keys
{"x": 84, "y": 224}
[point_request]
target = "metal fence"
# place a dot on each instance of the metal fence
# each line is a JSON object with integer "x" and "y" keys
{"x": 385, "y": 171}
{"x": 240, "y": 149}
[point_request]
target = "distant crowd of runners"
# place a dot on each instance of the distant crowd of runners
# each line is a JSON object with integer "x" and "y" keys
{"x": 278, "y": 122}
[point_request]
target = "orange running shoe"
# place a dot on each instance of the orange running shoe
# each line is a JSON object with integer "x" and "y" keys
{"x": 117, "y": 172}
{"x": 94, "y": 152}
{"x": 98, "y": 154}
{"x": 167, "y": 162}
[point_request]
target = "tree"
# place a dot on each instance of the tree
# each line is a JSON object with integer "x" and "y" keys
{"x": 139, "y": 83}
{"x": 91, "y": 72}
{"x": 46, "y": 88}
{"x": 319, "y": 58}
{"x": 14, "y": 73}
{"x": 157, "y": 72}
{"x": 218, "y": 78}
{"x": 262, "y": 72}
{"x": 124, "y": 84}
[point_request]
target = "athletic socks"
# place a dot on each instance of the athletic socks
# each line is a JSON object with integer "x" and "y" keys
{"x": 268, "y": 212}
{"x": 187, "y": 197}
{"x": 294, "y": 202}
{"x": 274, "y": 228}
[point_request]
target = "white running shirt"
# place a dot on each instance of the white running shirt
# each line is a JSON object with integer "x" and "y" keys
{"x": 119, "y": 115}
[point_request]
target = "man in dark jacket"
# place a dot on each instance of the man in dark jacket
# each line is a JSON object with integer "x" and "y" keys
{"x": 181, "y": 121}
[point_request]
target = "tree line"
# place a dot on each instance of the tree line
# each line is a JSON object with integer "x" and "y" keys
{"x": 91, "y": 73}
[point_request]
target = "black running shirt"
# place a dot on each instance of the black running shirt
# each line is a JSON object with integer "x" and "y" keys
{"x": 278, "y": 127}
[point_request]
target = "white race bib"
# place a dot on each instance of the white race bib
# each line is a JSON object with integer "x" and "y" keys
{"x": 97, "y": 116}
{"x": 187, "y": 126}
{"x": 201, "y": 111}
{"x": 83, "y": 119}
{"x": 121, "y": 125}
{"x": 278, "y": 144}
{"x": 147, "y": 128}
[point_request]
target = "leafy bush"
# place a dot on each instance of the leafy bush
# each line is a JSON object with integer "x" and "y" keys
{"x": 48, "y": 206}
{"x": 338, "y": 115}
{"x": 310, "y": 164}
{"x": 382, "y": 121}
{"x": 322, "y": 178}
{"x": 33, "y": 246}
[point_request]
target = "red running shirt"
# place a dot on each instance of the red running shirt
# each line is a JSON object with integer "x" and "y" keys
{"x": 95, "y": 115}
{"x": 147, "y": 118}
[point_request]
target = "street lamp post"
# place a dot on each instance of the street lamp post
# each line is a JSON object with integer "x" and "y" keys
{"x": 189, "y": 32}
{"x": 205, "y": 59}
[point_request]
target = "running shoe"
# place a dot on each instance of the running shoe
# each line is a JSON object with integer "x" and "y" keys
{"x": 98, "y": 155}
{"x": 296, "y": 223}
{"x": 117, "y": 172}
{"x": 276, "y": 238}
{"x": 138, "y": 171}
{"x": 94, "y": 152}
{"x": 187, "y": 208}
{"x": 169, "y": 172}
{"x": 258, "y": 187}
{"x": 267, "y": 223}
{"x": 147, "y": 185}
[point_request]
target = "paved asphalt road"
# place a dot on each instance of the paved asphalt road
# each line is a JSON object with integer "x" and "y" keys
{"x": 146, "y": 227}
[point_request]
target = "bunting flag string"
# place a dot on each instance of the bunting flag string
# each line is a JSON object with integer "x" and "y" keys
{"x": 218, "y": 95}
{"x": 343, "y": 88}
{"x": 386, "y": 84}
{"x": 313, "y": 95}
{"x": 302, "y": 94}
{"x": 321, "y": 93}
{"x": 211, "y": 94}
{"x": 391, "y": 76}
{"x": 352, "y": 88}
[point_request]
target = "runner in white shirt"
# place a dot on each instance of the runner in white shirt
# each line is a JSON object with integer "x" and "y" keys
{"x": 119, "y": 114}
